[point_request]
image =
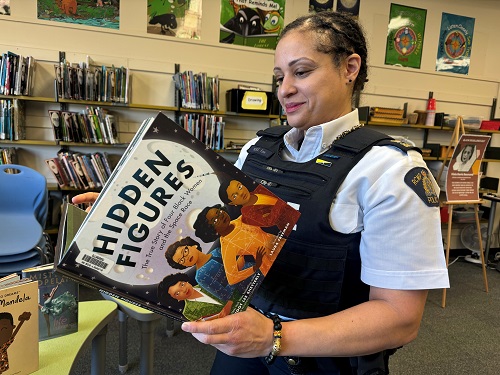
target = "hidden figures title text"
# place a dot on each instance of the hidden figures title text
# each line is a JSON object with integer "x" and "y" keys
{"x": 159, "y": 170}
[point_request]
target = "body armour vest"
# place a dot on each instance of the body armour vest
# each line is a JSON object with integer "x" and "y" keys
{"x": 317, "y": 272}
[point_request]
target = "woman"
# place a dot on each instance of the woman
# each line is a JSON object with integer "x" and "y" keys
{"x": 259, "y": 207}
{"x": 465, "y": 158}
{"x": 380, "y": 214}
{"x": 198, "y": 304}
{"x": 237, "y": 240}
{"x": 210, "y": 273}
{"x": 351, "y": 282}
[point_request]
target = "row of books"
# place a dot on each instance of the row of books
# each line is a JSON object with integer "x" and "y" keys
{"x": 88, "y": 81}
{"x": 91, "y": 125}
{"x": 80, "y": 171}
{"x": 208, "y": 129}
{"x": 8, "y": 155}
{"x": 16, "y": 74}
{"x": 198, "y": 91}
{"x": 12, "y": 120}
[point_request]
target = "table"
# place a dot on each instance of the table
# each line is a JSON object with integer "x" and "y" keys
{"x": 58, "y": 355}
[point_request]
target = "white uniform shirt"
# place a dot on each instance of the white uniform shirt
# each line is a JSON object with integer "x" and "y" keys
{"x": 401, "y": 243}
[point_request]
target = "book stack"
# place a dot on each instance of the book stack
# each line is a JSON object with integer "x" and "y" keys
{"x": 80, "y": 171}
{"x": 16, "y": 74}
{"x": 384, "y": 115}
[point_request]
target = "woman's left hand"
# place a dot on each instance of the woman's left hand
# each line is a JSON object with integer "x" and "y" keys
{"x": 246, "y": 334}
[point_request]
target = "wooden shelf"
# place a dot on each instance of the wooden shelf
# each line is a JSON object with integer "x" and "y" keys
{"x": 29, "y": 142}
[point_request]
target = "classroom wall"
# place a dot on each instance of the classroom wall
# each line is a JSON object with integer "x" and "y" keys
{"x": 151, "y": 59}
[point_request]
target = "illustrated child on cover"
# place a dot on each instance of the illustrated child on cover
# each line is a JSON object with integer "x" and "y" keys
{"x": 198, "y": 304}
{"x": 237, "y": 239}
{"x": 7, "y": 335}
{"x": 210, "y": 274}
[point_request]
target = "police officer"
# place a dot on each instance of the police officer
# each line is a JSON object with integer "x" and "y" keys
{"x": 351, "y": 282}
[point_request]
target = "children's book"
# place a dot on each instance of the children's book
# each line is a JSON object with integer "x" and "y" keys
{"x": 57, "y": 301}
{"x": 178, "y": 230}
{"x": 19, "y": 325}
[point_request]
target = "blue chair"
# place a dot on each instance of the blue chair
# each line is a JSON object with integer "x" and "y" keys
{"x": 23, "y": 213}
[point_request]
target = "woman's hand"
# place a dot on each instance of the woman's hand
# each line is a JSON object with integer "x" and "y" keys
{"x": 246, "y": 334}
{"x": 89, "y": 197}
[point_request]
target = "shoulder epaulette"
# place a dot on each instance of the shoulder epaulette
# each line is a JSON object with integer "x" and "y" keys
{"x": 274, "y": 131}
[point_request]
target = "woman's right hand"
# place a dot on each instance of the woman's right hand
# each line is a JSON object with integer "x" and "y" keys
{"x": 89, "y": 197}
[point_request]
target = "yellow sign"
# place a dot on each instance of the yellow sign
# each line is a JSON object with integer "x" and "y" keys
{"x": 254, "y": 100}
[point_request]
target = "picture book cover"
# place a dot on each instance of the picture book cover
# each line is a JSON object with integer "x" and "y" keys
{"x": 18, "y": 325}
{"x": 179, "y": 230}
{"x": 57, "y": 301}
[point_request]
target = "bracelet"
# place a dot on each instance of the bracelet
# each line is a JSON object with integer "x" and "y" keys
{"x": 276, "y": 339}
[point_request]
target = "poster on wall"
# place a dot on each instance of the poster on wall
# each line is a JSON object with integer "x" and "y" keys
{"x": 177, "y": 18}
{"x": 405, "y": 35}
{"x": 316, "y": 6}
{"x": 455, "y": 44}
{"x": 252, "y": 23}
{"x": 349, "y": 6}
{"x": 4, "y": 7}
{"x": 462, "y": 178}
{"x": 99, "y": 13}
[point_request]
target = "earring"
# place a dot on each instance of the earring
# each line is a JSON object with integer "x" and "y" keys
{"x": 350, "y": 80}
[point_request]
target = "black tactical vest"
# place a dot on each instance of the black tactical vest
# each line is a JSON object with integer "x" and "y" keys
{"x": 318, "y": 270}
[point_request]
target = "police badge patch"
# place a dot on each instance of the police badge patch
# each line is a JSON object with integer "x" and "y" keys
{"x": 418, "y": 180}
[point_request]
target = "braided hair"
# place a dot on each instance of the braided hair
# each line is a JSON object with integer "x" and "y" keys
{"x": 337, "y": 34}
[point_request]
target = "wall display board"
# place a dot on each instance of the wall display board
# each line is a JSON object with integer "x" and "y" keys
{"x": 405, "y": 36}
{"x": 455, "y": 44}
{"x": 250, "y": 23}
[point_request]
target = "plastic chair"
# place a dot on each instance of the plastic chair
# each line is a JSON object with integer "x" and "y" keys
{"x": 23, "y": 212}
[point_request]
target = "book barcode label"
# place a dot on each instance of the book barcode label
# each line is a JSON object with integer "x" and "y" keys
{"x": 89, "y": 259}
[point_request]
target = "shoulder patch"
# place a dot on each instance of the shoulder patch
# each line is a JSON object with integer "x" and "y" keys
{"x": 418, "y": 180}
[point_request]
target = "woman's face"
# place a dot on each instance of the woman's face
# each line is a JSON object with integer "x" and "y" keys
{"x": 237, "y": 193}
{"x": 311, "y": 89}
{"x": 181, "y": 291}
{"x": 466, "y": 154}
{"x": 186, "y": 256}
{"x": 218, "y": 218}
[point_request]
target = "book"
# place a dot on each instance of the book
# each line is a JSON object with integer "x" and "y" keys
{"x": 384, "y": 120}
{"x": 57, "y": 301}
{"x": 161, "y": 237}
{"x": 19, "y": 322}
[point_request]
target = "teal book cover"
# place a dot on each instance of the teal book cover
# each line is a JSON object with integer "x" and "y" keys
{"x": 57, "y": 302}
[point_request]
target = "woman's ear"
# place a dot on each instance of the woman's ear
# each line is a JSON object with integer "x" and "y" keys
{"x": 353, "y": 64}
